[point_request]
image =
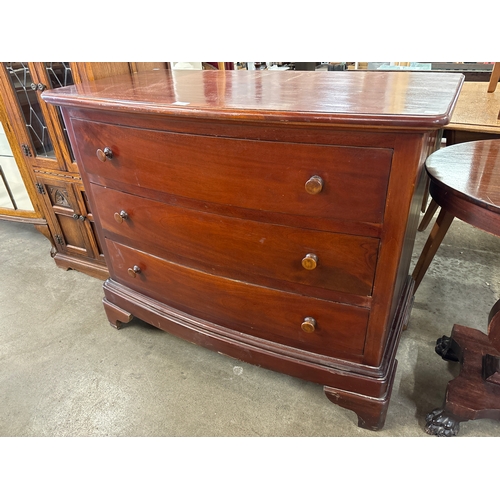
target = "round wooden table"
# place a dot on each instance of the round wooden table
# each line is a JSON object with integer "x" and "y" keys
{"x": 465, "y": 183}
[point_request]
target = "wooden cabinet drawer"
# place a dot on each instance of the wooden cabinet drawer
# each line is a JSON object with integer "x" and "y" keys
{"x": 255, "y": 310}
{"x": 237, "y": 248}
{"x": 261, "y": 175}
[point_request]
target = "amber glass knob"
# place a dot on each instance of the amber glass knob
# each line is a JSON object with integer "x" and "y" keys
{"x": 120, "y": 217}
{"x": 134, "y": 271}
{"x": 310, "y": 261}
{"x": 314, "y": 185}
{"x": 308, "y": 325}
{"x": 104, "y": 154}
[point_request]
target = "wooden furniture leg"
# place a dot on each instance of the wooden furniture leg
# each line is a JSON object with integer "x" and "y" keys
{"x": 44, "y": 229}
{"x": 495, "y": 75}
{"x": 429, "y": 214}
{"x": 435, "y": 238}
{"x": 116, "y": 315}
{"x": 425, "y": 199}
{"x": 475, "y": 393}
{"x": 371, "y": 412}
{"x": 494, "y": 326}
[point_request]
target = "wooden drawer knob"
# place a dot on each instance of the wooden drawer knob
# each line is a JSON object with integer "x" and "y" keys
{"x": 120, "y": 217}
{"x": 308, "y": 325}
{"x": 310, "y": 261}
{"x": 314, "y": 185}
{"x": 134, "y": 271}
{"x": 104, "y": 154}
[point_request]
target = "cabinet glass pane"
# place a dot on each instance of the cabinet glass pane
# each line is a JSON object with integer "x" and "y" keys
{"x": 27, "y": 98}
{"x": 13, "y": 194}
{"x": 60, "y": 75}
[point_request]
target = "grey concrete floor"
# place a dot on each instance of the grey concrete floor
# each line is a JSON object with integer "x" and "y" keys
{"x": 65, "y": 372}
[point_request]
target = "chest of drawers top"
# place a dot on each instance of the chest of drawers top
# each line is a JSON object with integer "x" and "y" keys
{"x": 350, "y": 98}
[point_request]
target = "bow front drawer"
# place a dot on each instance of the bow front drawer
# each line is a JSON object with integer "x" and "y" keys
{"x": 302, "y": 322}
{"x": 337, "y": 182}
{"x": 240, "y": 248}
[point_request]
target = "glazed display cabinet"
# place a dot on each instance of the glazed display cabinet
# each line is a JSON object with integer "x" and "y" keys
{"x": 46, "y": 160}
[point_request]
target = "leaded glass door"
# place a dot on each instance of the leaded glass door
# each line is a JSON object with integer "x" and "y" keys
{"x": 54, "y": 75}
{"x": 39, "y": 126}
{"x": 17, "y": 193}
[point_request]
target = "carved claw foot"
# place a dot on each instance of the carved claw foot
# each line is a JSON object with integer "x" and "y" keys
{"x": 444, "y": 347}
{"x": 441, "y": 423}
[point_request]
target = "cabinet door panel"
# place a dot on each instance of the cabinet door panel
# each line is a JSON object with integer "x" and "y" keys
{"x": 54, "y": 75}
{"x": 73, "y": 236}
{"x": 33, "y": 127}
{"x": 69, "y": 225}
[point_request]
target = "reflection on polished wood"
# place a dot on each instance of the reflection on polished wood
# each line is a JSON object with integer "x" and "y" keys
{"x": 350, "y": 98}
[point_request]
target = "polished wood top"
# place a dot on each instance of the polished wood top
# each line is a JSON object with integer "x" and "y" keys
{"x": 476, "y": 110}
{"x": 389, "y": 99}
{"x": 470, "y": 170}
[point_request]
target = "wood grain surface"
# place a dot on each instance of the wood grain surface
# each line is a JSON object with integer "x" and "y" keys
{"x": 397, "y": 99}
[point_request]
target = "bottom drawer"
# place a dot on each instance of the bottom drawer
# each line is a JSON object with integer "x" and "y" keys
{"x": 255, "y": 310}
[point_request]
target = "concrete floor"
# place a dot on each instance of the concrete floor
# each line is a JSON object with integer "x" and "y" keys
{"x": 65, "y": 372}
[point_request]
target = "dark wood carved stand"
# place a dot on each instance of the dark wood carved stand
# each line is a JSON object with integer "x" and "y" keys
{"x": 465, "y": 183}
{"x": 475, "y": 393}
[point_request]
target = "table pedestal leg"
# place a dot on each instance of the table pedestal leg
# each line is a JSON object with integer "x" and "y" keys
{"x": 475, "y": 392}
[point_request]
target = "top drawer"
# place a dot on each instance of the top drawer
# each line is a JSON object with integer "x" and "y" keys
{"x": 261, "y": 175}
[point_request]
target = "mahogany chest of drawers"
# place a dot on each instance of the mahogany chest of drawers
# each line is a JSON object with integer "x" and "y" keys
{"x": 266, "y": 215}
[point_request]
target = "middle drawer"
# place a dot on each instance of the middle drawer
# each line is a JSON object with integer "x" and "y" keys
{"x": 238, "y": 248}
